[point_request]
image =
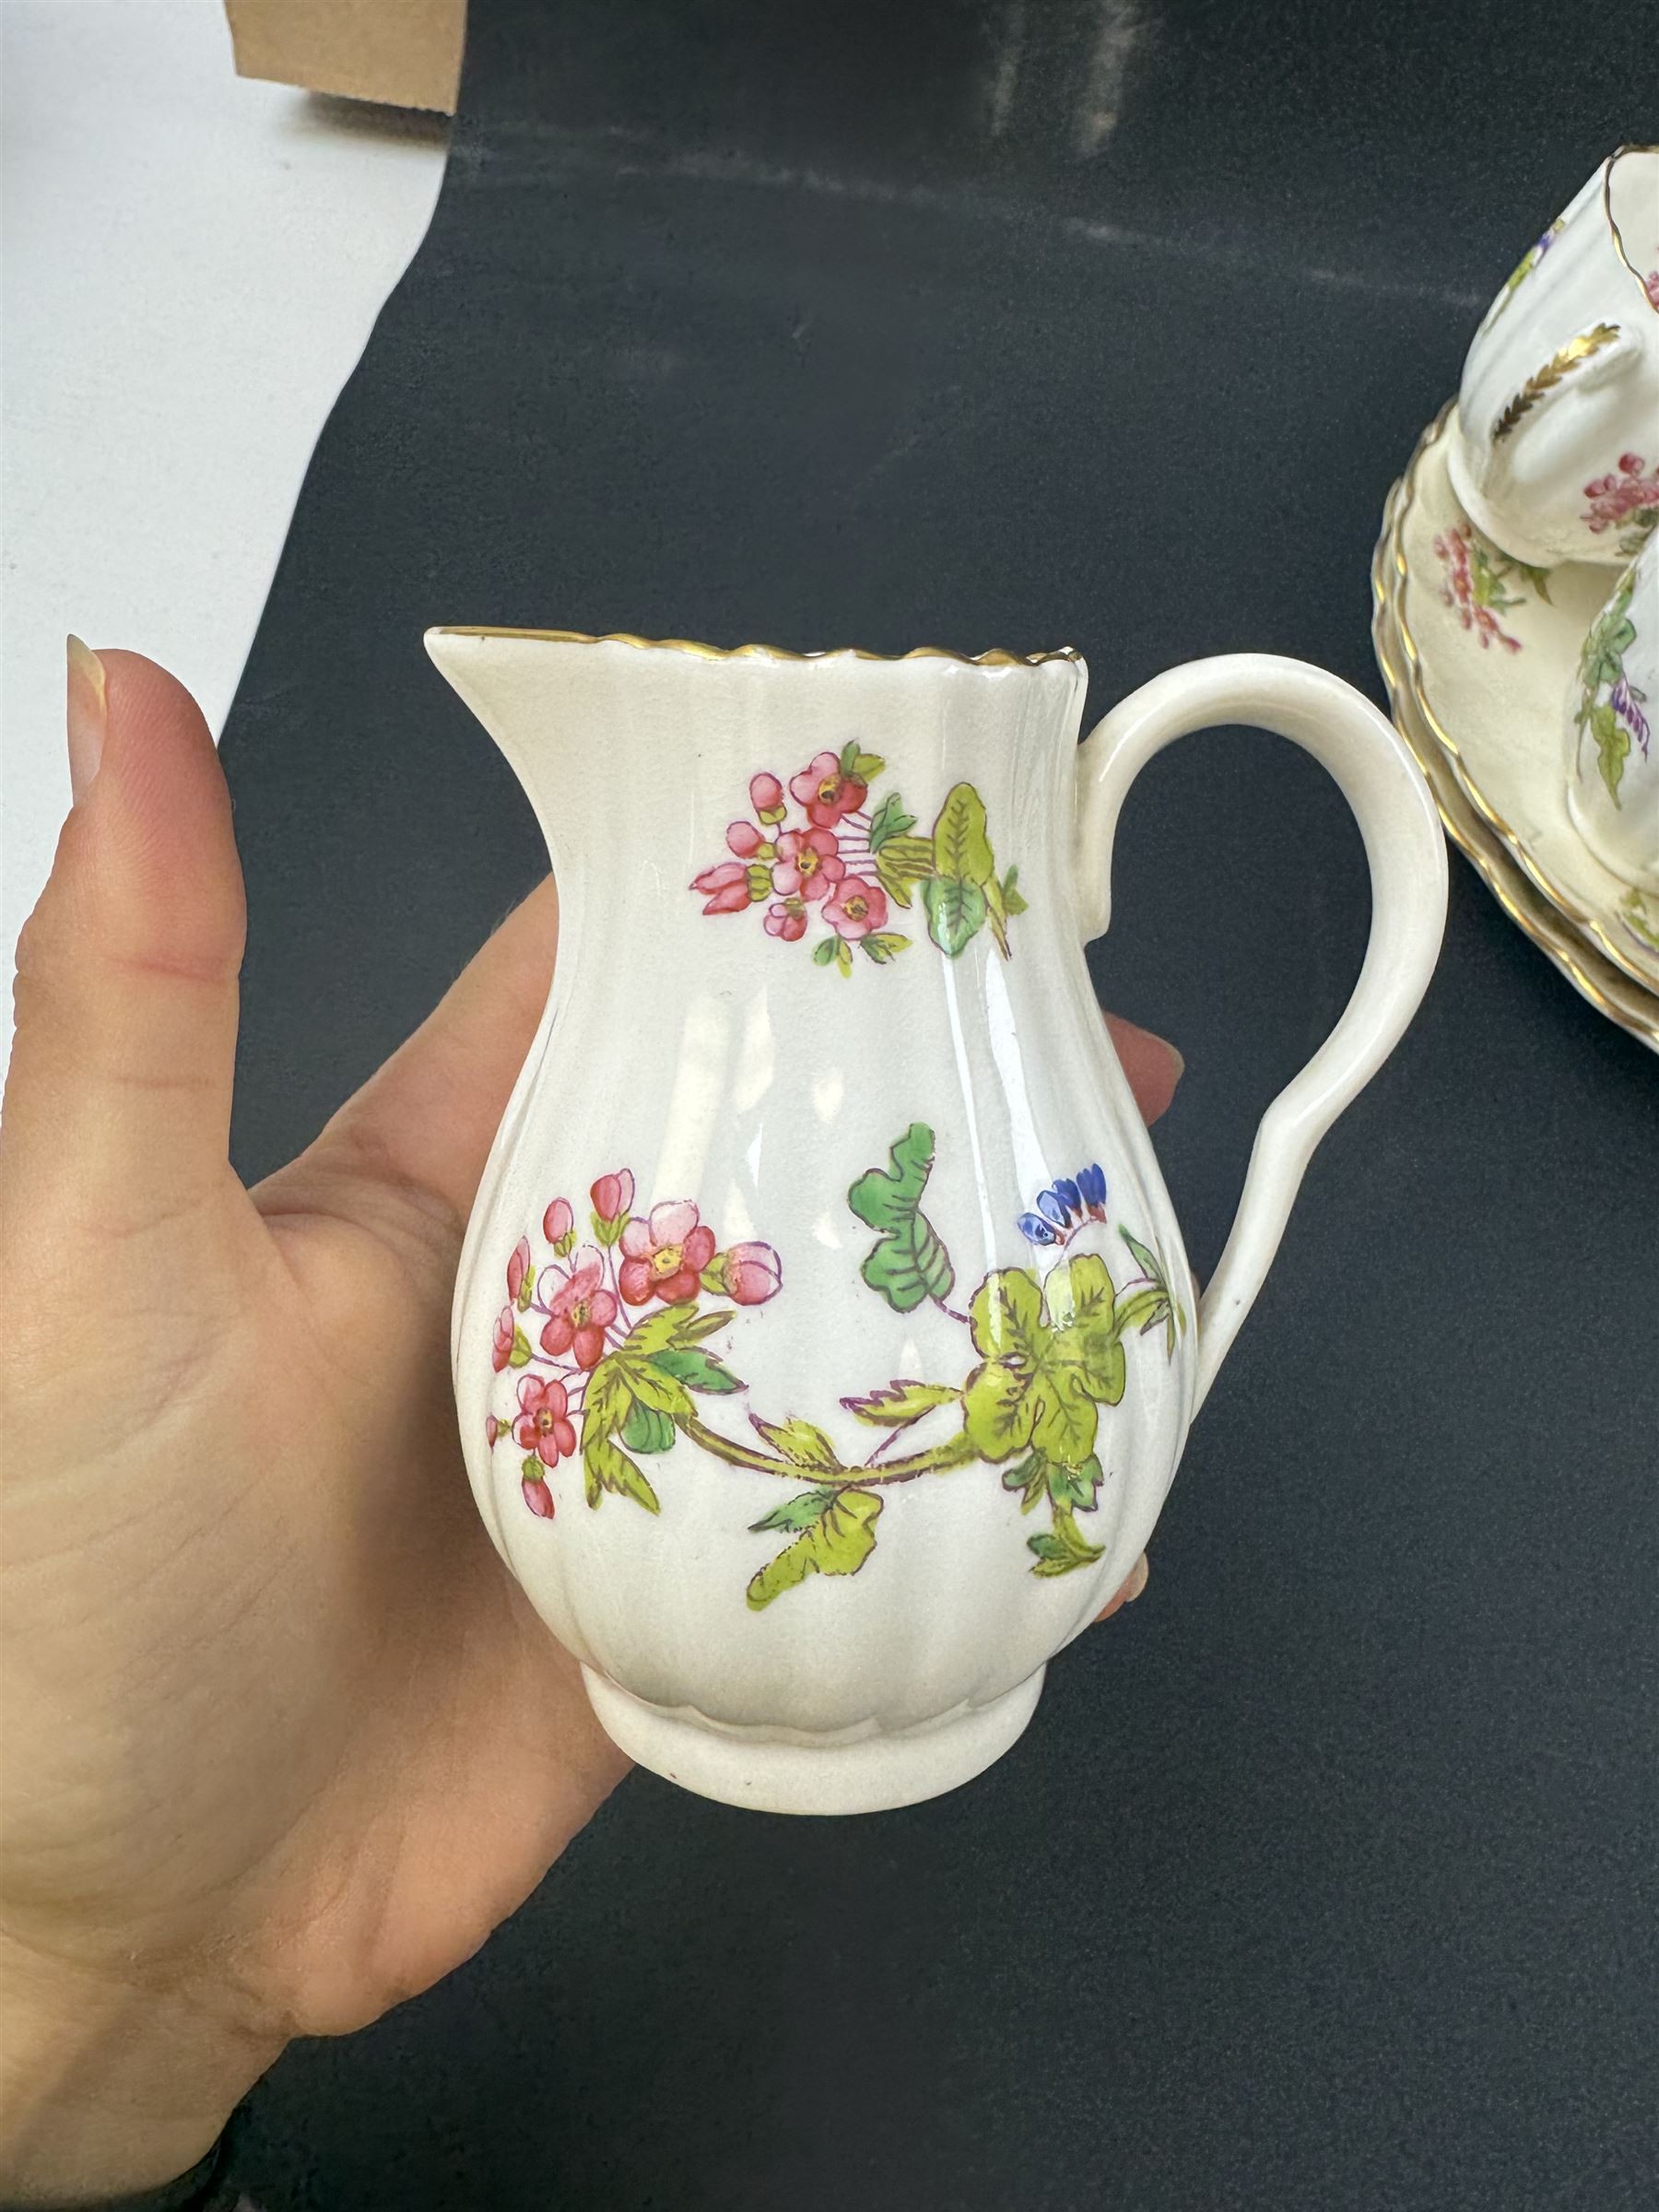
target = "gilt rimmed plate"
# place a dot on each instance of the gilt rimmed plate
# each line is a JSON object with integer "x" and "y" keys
{"x": 1489, "y": 652}
{"x": 1608, "y": 989}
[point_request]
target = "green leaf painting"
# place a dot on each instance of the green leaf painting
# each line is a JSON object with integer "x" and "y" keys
{"x": 882, "y": 946}
{"x": 901, "y": 863}
{"x": 696, "y": 1370}
{"x": 962, "y": 845}
{"x": 958, "y": 895}
{"x": 600, "y": 1369}
{"x": 837, "y": 1536}
{"x": 909, "y": 1263}
{"x": 859, "y": 767}
{"x": 896, "y": 1405}
{"x": 1612, "y": 748}
{"x": 1064, "y": 1548}
{"x": 610, "y": 1468}
{"x": 800, "y": 1443}
{"x": 956, "y": 913}
{"x": 1640, "y": 919}
{"x": 1052, "y": 1358}
{"x": 646, "y": 1430}
{"x": 889, "y": 820}
{"x": 648, "y": 1386}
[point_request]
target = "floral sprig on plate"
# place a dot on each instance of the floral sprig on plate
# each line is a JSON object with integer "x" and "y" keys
{"x": 615, "y": 1371}
{"x": 1476, "y": 579}
{"x": 844, "y": 863}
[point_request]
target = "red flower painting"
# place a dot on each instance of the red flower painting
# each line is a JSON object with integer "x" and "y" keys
{"x": 847, "y": 860}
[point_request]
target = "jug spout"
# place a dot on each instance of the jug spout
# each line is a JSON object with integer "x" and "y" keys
{"x": 506, "y": 677}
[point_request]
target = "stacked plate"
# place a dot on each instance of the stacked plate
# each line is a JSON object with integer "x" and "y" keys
{"x": 1478, "y": 652}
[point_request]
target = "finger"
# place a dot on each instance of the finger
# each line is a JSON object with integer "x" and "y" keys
{"x": 118, "y": 1094}
{"x": 1131, "y": 1590}
{"x": 1151, "y": 1063}
{"x": 429, "y": 1116}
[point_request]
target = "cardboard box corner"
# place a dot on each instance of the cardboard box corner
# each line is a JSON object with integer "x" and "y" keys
{"x": 404, "y": 54}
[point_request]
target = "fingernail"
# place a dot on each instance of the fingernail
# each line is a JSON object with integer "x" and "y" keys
{"x": 87, "y": 709}
{"x": 1139, "y": 1571}
{"x": 1177, "y": 1060}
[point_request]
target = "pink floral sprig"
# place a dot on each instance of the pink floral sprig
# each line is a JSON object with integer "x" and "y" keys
{"x": 590, "y": 1298}
{"x": 822, "y": 865}
{"x": 1473, "y": 589}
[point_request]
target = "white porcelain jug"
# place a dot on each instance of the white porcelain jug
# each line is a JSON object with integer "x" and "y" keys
{"x": 824, "y": 1345}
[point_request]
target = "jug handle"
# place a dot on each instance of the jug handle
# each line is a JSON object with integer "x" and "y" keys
{"x": 1406, "y": 853}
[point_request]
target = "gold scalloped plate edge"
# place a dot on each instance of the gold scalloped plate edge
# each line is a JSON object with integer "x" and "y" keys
{"x": 1604, "y": 988}
{"x": 1622, "y": 1001}
{"x": 1586, "y": 924}
{"x": 995, "y": 657}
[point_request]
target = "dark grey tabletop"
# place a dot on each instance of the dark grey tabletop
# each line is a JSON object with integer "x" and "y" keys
{"x": 1105, "y": 322}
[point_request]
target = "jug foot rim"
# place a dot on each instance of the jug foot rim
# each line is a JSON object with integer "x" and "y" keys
{"x": 755, "y": 1769}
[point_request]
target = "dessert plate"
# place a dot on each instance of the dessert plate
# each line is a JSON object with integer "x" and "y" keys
{"x": 1607, "y": 988}
{"x": 1489, "y": 650}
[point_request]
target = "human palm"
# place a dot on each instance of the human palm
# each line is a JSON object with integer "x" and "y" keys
{"x": 284, "y": 1741}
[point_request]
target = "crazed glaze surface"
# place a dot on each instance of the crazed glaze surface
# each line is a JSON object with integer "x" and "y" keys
{"x": 824, "y": 1345}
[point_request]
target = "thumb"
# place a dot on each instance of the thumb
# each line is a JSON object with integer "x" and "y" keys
{"x": 118, "y": 1095}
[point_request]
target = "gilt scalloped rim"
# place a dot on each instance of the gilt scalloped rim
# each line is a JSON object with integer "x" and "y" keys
{"x": 995, "y": 657}
{"x": 1607, "y": 988}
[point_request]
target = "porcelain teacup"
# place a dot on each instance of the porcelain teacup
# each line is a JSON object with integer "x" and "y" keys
{"x": 1557, "y": 451}
{"x": 1612, "y": 752}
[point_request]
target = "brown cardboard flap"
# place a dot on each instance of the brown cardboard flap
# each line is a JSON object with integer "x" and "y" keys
{"x": 406, "y": 52}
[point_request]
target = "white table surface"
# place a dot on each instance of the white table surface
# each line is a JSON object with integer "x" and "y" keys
{"x": 189, "y": 265}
